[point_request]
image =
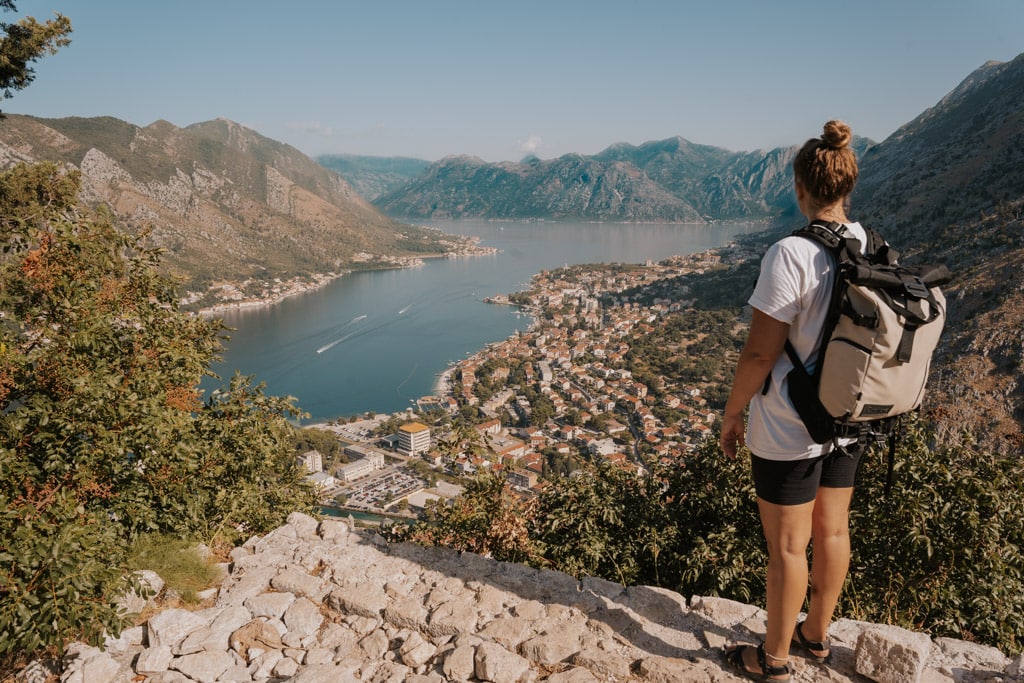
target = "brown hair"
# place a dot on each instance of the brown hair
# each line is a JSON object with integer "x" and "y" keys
{"x": 826, "y": 166}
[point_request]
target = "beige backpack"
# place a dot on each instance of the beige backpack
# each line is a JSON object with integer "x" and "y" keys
{"x": 883, "y": 325}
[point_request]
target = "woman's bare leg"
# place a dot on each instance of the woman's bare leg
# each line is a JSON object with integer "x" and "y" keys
{"x": 787, "y": 529}
{"x": 830, "y": 558}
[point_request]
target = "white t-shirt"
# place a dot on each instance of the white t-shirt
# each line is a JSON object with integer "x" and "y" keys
{"x": 794, "y": 287}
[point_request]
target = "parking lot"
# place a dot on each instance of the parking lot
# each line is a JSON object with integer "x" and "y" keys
{"x": 382, "y": 488}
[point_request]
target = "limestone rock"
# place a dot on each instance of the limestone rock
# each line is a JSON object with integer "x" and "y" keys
{"x": 306, "y": 527}
{"x": 270, "y": 605}
{"x": 509, "y": 632}
{"x": 459, "y": 665}
{"x": 577, "y": 675}
{"x": 90, "y": 664}
{"x": 452, "y": 618}
{"x": 154, "y": 660}
{"x": 888, "y": 654}
{"x": 257, "y": 634}
{"x": 326, "y": 673}
{"x": 133, "y": 602}
{"x": 410, "y": 614}
{"x": 205, "y": 667}
{"x": 303, "y": 618}
{"x": 286, "y": 667}
{"x": 494, "y": 663}
{"x": 171, "y": 626}
{"x": 217, "y": 635}
{"x": 550, "y": 648}
{"x": 415, "y": 651}
{"x": 333, "y": 531}
{"x": 667, "y": 670}
{"x": 367, "y": 601}
{"x": 608, "y": 665}
{"x": 722, "y": 611}
{"x": 262, "y": 666}
{"x": 297, "y": 582}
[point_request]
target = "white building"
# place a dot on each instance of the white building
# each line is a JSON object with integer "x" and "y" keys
{"x": 413, "y": 438}
{"x": 322, "y": 481}
{"x": 311, "y": 461}
{"x": 355, "y": 470}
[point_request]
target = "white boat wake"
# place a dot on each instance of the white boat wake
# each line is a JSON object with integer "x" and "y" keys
{"x": 327, "y": 347}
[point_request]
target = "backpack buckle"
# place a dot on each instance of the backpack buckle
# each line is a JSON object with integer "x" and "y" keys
{"x": 915, "y": 287}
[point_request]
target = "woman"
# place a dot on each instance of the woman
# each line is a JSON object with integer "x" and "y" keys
{"x": 803, "y": 488}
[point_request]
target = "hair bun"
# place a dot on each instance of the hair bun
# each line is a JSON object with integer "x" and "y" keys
{"x": 837, "y": 134}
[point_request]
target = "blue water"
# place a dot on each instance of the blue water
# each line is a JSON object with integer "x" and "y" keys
{"x": 377, "y": 341}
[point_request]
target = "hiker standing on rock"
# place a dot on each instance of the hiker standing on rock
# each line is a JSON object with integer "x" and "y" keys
{"x": 803, "y": 488}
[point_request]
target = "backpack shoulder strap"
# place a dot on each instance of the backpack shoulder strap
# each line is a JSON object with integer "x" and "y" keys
{"x": 836, "y": 238}
{"x": 828, "y": 235}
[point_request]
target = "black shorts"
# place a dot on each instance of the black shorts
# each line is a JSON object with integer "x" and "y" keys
{"x": 794, "y": 482}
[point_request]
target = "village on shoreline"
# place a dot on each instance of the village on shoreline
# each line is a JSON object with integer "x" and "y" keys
{"x": 539, "y": 404}
{"x": 233, "y": 296}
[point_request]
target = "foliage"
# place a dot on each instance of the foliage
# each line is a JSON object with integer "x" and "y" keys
{"x": 605, "y": 521}
{"x": 177, "y": 561}
{"x": 944, "y": 550}
{"x": 103, "y": 434}
{"x": 486, "y": 519}
{"x": 323, "y": 441}
{"x": 26, "y": 42}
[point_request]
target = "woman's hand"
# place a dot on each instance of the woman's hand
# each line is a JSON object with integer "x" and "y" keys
{"x": 733, "y": 434}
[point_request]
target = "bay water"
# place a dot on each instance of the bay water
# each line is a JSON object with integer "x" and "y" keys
{"x": 377, "y": 341}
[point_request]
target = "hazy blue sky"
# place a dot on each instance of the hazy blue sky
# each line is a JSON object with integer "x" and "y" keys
{"x": 429, "y": 78}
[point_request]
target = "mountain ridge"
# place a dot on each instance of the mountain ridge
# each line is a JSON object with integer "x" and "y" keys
{"x": 224, "y": 202}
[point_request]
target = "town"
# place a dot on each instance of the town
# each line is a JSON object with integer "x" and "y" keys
{"x": 617, "y": 367}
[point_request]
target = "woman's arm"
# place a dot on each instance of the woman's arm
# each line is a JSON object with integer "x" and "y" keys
{"x": 765, "y": 344}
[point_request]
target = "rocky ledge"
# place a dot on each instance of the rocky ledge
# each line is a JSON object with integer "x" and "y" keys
{"x": 322, "y": 602}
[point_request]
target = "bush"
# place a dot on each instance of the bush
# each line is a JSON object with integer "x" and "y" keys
{"x": 103, "y": 436}
{"x": 942, "y": 551}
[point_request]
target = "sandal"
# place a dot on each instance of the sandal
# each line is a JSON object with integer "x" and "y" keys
{"x": 813, "y": 648}
{"x": 734, "y": 655}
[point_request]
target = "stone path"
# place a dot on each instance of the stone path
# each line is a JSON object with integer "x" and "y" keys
{"x": 320, "y": 602}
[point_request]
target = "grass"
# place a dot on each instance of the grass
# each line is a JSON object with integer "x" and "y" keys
{"x": 178, "y": 562}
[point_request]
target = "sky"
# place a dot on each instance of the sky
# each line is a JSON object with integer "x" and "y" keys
{"x": 503, "y": 79}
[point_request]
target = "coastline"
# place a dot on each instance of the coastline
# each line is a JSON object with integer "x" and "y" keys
{"x": 304, "y": 285}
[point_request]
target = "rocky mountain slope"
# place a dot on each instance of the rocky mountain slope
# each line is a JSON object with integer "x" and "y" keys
{"x": 373, "y": 177}
{"x": 572, "y": 186}
{"x": 670, "y": 180}
{"x": 315, "y": 602}
{"x": 949, "y": 187}
{"x": 226, "y": 203}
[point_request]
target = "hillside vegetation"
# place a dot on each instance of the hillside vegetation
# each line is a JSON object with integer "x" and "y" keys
{"x": 104, "y": 434}
{"x": 225, "y": 204}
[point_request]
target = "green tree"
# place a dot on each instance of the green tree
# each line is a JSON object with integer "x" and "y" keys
{"x": 103, "y": 431}
{"x": 25, "y": 42}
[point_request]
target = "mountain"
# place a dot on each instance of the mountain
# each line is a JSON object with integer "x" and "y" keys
{"x": 572, "y": 186}
{"x": 373, "y": 177}
{"x": 949, "y": 186}
{"x": 225, "y": 203}
{"x": 671, "y": 180}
